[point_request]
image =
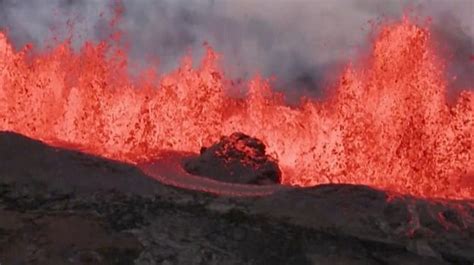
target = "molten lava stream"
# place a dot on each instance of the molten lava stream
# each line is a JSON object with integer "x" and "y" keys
{"x": 388, "y": 124}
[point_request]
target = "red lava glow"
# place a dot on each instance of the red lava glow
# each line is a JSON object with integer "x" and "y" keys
{"x": 388, "y": 123}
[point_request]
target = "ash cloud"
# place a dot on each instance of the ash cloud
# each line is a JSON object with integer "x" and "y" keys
{"x": 300, "y": 42}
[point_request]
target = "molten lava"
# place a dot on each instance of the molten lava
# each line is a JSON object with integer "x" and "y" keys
{"x": 387, "y": 125}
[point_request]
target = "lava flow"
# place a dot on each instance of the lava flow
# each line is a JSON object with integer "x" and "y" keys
{"x": 388, "y": 124}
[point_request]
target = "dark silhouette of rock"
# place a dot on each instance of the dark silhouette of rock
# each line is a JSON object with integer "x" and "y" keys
{"x": 237, "y": 158}
{"x": 65, "y": 207}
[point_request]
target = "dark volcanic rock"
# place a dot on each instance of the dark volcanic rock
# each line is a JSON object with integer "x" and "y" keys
{"x": 237, "y": 158}
{"x": 47, "y": 170}
{"x": 65, "y": 207}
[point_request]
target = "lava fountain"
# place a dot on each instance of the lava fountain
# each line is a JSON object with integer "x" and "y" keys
{"x": 387, "y": 124}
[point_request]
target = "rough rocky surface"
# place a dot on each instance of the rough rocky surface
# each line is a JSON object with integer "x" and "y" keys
{"x": 237, "y": 158}
{"x": 64, "y": 207}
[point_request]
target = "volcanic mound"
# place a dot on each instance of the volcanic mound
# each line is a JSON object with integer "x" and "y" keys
{"x": 237, "y": 158}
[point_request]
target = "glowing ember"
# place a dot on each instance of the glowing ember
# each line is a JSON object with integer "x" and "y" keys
{"x": 388, "y": 124}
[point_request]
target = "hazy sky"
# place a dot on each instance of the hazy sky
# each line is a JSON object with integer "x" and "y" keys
{"x": 297, "y": 40}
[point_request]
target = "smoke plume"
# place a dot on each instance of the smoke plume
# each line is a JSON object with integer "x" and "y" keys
{"x": 300, "y": 42}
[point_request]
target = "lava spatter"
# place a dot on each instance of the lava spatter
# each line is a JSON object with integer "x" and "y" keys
{"x": 388, "y": 124}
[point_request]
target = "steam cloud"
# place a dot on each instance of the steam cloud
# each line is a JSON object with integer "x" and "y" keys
{"x": 298, "y": 41}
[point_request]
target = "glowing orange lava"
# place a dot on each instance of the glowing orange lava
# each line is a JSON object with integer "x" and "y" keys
{"x": 387, "y": 125}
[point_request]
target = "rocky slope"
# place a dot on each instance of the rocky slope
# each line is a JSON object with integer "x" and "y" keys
{"x": 65, "y": 207}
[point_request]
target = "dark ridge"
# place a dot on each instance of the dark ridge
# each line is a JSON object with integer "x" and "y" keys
{"x": 28, "y": 162}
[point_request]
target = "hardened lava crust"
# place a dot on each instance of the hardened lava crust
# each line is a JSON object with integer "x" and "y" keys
{"x": 53, "y": 199}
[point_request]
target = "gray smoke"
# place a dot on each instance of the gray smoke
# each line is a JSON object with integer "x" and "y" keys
{"x": 300, "y": 42}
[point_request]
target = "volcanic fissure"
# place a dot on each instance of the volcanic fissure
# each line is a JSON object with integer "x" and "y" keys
{"x": 387, "y": 124}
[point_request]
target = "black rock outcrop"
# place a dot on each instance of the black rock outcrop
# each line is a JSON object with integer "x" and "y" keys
{"x": 237, "y": 158}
